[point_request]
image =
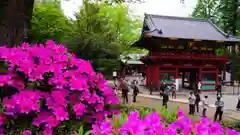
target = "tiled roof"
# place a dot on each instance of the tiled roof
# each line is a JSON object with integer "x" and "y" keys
{"x": 185, "y": 28}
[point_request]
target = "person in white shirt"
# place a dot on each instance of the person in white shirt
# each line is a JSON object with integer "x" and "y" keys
{"x": 199, "y": 85}
{"x": 114, "y": 75}
{"x": 219, "y": 109}
{"x": 205, "y": 106}
{"x": 191, "y": 100}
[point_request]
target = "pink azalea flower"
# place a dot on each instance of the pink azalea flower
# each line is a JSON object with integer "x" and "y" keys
{"x": 47, "y": 131}
{"x": 73, "y": 79}
{"x": 51, "y": 122}
{"x": 61, "y": 114}
{"x": 27, "y": 132}
{"x": 79, "y": 109}
{"x": 180, "y": 113}
{"x": 3, "y": 119}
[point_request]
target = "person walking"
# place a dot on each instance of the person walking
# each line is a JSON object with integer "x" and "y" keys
{"x": 135, "y": 91}
{"x": 125, "y": 91}
{"x": 205, "y": 106}
{"x": 219, "y": 90}
{"x": 197, "y": 101}
{"x": 199, "y": 85}
{"x": 174, "y": 95}
{"x": 165, "y": 99}
{"x": 191, "y": 100}
{"x": 219, "y": 109}
{"x": 163, "y": 87}
{"x": 115, "y": 85}
{"x": 238, "y": 104}
{"x": 151, "y": 87}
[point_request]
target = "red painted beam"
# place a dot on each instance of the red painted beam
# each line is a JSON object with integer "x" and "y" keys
{"x": 185, "y": 55}
{"x": 182, "y": 66}
{"x": 208, "y": 71}
{"x": 167, "y": 71}
{"x": 186, "y": 58}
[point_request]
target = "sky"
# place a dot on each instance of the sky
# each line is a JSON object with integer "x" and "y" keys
{"x": 160, "y": 7}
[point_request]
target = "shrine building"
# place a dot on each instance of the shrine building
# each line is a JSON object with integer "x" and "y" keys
{"x": 184, "y": 52}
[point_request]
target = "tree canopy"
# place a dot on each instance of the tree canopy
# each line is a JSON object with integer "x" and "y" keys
{"x": 101, "y": 33}
{"x": 48, "y": 22}
{"x": 224, "y": 13}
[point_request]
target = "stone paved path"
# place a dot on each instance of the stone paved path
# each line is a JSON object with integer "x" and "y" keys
{"x": 144, "y": 99}
{"x": 230, "y": 101}
{"x": 153, "y": 103}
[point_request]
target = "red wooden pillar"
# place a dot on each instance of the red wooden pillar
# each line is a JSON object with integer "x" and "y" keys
{"x": 224, "y": 72}
{"x": 176, "y": 77}
{"x": 156, "y": 75}
{"x": 159, "y": 67}
{"x": 183, "y": 77}
{"x": 151, "y": 74}
{"x": 217, "y": 70}
{"x": 200, "y": 77}
{"x": 148, "y": 75}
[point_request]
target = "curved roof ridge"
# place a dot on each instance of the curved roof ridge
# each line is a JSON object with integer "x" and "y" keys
{"x": 200, "y": 28}
{"x": 177, "y": 17}
{"x": 218, "y": 29}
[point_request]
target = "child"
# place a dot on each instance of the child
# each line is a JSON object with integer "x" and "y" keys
{"x": 205, "y": 106}
{"x": 174, "y": 92}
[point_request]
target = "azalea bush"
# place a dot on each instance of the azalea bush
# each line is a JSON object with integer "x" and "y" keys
{"x": 43, "y": 88}
{"x": 169, "y": 116}
{"x": 231, "y": 124}
{"x": 154, "y": 124}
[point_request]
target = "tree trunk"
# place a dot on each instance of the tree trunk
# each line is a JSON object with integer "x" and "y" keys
{"x": 15, "y": 17}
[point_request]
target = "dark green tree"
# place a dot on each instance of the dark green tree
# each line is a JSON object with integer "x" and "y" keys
{"x": 224, "y": 13}
{"x": 208, "y": 9}
{"x": 101, "y": 33}
{"x": 48, "y": 22}
{"x": 229, "y": 15}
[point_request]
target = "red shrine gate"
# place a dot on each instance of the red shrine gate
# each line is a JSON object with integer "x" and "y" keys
{"x": 172, "y": 64}
{"x": 183, "y": 49}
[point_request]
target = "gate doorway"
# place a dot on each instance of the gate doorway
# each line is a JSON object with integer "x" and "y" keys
{"x": 189, "y": 78}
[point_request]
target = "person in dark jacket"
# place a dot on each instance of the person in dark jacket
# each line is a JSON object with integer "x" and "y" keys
{"x": 198, "y": 99}
{"x": 163, "y": 87}
{"x": 165, "y": 99}
{"x": 124, "y": 88}
{"x": 219, "y": 90}
{"x": 135, "y": 90}
{"x": 151, "y": 87}
{"x": 238, "y": 104}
